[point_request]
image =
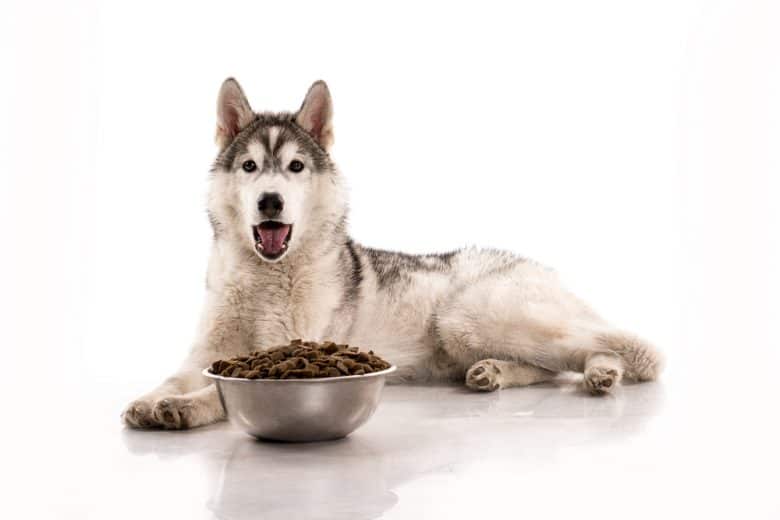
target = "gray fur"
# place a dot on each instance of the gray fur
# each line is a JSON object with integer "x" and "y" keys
{"x": 392, "y": 268}
{"x": 353, "y": 272}
{"x": 215, "y": 225}
{"x": 257, "y": 130}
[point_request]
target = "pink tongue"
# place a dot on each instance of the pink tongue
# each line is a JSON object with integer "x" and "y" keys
{"x": 273, "y": 238}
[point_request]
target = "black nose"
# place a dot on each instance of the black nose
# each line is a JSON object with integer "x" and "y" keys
{"x": 270, "y": 204}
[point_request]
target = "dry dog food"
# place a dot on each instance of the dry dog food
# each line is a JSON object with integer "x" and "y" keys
{"x": 301, "y": 360}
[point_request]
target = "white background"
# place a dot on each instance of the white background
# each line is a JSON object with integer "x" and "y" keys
{"x": 633, "y": 146}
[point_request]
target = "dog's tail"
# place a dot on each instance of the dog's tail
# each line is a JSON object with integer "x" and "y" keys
{"x": 643, "y": 362}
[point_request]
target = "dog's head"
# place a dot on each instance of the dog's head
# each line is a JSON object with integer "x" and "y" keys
{"x": 274, "y": 187}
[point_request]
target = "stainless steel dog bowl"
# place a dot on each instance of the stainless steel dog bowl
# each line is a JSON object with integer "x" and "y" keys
{"x": 300, "y": 410}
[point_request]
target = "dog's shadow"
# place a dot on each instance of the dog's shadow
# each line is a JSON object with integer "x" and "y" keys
{"x": 417, "y": 431}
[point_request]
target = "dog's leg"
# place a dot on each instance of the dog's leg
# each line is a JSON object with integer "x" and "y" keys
{"x": 500, "y": 362}
{"x": 226, "y": 330}
{"x": 491, "y": 374}
{"x": 148, "y": 410}
{"x": 542, "y": 330}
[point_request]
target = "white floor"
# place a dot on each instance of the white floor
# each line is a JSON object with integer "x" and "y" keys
{"x": 678, "y": 448}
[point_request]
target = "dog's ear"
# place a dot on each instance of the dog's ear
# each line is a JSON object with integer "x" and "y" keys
{"x": 316, "y": 113}
{"x": 233, "y": 112}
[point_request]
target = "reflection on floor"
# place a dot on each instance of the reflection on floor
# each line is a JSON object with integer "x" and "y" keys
{"x": 430, "y": 438}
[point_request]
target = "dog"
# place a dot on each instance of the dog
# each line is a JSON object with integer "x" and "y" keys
{"x": 283, "y": 266}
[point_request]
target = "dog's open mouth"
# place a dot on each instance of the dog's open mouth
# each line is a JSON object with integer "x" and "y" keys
{"x": 272, "y": 238}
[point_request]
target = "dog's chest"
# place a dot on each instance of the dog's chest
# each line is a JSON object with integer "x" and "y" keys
{"x": 299, "y": 305}
{"x": 314, "y": 305}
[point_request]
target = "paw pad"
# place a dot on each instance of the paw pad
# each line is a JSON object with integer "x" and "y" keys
{"x": 599, "y": 380}
{"x": 483, "y": 376}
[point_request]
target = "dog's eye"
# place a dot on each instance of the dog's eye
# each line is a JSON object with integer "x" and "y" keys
{"x": 296, "y": 166}
{"x": 249, "y": 166}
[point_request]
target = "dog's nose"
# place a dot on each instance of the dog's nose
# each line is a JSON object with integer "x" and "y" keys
{"x": 270, "y": 204}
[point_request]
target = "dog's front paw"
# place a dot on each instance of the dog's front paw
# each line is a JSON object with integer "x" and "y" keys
{"x": 484, "y": 376}
{"x": 601, "y": 380}
{"x": 138, "y": 414}
{"x": 174, "y": 413}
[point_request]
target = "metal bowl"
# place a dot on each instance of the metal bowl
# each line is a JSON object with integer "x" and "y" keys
{"x": 300, "y": 410}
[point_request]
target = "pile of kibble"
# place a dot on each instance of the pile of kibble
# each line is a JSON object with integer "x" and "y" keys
{"x": 301, "y": 360}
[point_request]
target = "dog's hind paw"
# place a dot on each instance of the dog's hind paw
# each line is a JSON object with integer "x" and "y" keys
{"x": 484, "y": 376}
{"x": 601, "y": 380}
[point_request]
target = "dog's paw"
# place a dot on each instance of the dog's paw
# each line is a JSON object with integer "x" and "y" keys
{"x": 138, "y": 414}
{"x": 601, "y": 380}
{"x": 484, "y": 376}
{"x": 174, "y": 413}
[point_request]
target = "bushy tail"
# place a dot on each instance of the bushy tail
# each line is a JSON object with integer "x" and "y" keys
{"x": 642, "y": 361}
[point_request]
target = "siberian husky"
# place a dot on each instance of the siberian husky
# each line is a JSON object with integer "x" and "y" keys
{"x": 282, "y": 266}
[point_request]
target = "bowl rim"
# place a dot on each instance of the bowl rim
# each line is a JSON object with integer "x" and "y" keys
{"x": 218, "y": 377}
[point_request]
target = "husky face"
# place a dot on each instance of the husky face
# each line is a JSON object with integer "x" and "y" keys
{"x": 274, "y": 185}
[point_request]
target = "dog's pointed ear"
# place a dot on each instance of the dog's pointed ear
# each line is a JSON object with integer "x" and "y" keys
{"x": 316, "y": 114}
{"x": 233, "y": 112}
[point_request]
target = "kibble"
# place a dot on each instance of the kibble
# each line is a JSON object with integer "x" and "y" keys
{"x": 301, "y": 360}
